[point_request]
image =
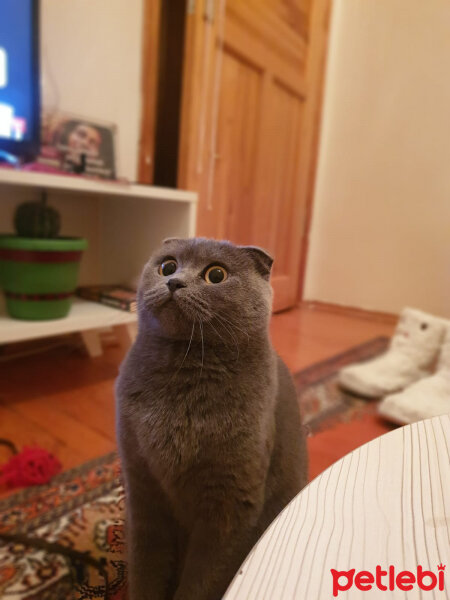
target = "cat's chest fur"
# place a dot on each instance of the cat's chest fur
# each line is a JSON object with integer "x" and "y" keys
{"x": 175, "y": 426}
{"x": 189, "y": 416}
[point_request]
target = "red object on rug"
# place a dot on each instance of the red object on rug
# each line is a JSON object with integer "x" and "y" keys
{"x": 31, "y": 466}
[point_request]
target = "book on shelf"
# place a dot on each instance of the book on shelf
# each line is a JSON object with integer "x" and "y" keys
{"x": 117, "y": 296}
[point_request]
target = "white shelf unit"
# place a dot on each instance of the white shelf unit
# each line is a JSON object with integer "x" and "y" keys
{"x": 87, "y": 318}
{"x": 123, "y": 225}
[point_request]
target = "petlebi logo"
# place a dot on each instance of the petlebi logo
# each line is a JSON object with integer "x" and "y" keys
{"x": 388, "y": 579}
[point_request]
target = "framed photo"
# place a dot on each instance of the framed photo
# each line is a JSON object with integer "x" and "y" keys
{"x": 79, "y": 145}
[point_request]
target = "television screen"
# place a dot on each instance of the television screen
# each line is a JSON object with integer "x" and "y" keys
{"x": 19, "y": 98}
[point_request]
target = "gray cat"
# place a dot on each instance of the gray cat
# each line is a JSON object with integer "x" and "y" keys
{"x": 209, "y": 430}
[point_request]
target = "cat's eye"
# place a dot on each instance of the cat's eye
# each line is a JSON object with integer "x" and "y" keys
{"x": 168, "y": 267}
{"x": 215, "y": 274}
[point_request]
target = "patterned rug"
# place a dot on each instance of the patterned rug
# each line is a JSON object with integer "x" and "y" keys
{"x": 82, "y": 509}
{"x": 322, "y": 401}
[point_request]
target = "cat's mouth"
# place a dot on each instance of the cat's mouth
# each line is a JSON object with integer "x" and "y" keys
{"x": 168, "y": 302}
{"x": 164, "y": 299}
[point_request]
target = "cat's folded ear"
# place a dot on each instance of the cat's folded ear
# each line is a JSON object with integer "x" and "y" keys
{"x": 171, "y": 239}
{"x": 262, "y": 259}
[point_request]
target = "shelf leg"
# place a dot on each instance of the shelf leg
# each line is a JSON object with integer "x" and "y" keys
{"x": 125, "y": 334}
{"x": 91, "y": 340}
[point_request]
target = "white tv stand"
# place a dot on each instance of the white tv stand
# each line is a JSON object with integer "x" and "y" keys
{"x": 123, "y": 225}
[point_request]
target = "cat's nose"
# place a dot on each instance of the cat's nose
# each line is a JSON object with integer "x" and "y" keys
{"x": 175, "y": 283}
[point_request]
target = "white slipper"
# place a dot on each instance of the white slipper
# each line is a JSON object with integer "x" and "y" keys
{"x": 412, "y": 351}
{"x": 424, "y": 399}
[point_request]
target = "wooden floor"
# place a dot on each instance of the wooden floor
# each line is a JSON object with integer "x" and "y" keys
{"x": 63, "y": 401}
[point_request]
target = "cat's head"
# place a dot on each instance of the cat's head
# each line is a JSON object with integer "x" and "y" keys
{"x": 190, "y": 284}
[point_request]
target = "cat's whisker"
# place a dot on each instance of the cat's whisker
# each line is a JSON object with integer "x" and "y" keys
{"x": 234, "y": 326}
{"x": 188, "y": 348}
{"x": 223, "y": 339}
{"x": 228, "y": 326}
{"x": 202, "y": 308}
{"x": 195, "y": 307}
{"x": 230, "y": 333}
{"x": 170, "y": 381}
{"x": 203, "y": 347}
{"x": 153, "y": 297}
{"x": 236, "y": 345}
{"x": 201, "y": 304}
{"x": 231, "y": 326}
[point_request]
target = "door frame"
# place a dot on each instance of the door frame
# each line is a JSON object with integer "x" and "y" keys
{"x": 151, "y": 19}
{"x": 317, "y": 61}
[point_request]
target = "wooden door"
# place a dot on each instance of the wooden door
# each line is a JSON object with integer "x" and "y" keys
{"x": 245, "y": 145}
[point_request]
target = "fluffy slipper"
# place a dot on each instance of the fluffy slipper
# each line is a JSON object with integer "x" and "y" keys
{"x": 412, "y": 351}
{"x": 424, "y": 399}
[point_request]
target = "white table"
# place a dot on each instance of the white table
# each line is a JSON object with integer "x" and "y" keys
{"x": 386, "y": 503}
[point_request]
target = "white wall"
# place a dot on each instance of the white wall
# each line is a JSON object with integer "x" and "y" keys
{"x": 91, "y": 66}
{"x": 380, "y": 236}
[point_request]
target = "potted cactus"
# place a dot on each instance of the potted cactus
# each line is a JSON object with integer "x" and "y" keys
{"x": 38, "y": 269}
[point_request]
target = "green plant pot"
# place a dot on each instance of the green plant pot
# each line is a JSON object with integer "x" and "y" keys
{"x": 39, "y": 275}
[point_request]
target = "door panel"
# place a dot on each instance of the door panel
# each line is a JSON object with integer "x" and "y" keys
{"x": 243, "y": 134}
{"x": 237, "y": 143}
{"x": 274, "y": 226}
{"x": 287, "y": 111}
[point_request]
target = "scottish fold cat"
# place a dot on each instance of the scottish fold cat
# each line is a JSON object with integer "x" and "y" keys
{"x": 208, "y": 423}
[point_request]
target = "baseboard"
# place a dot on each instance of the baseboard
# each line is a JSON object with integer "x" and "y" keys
{"x": 351, "y": 311}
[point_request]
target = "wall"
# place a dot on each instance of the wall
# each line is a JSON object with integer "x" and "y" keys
{"x": 91, "y": 66}
{"x": 380, "y": 236}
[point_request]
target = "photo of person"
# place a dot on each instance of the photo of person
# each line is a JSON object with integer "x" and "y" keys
{"x": 84, "y": 147}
